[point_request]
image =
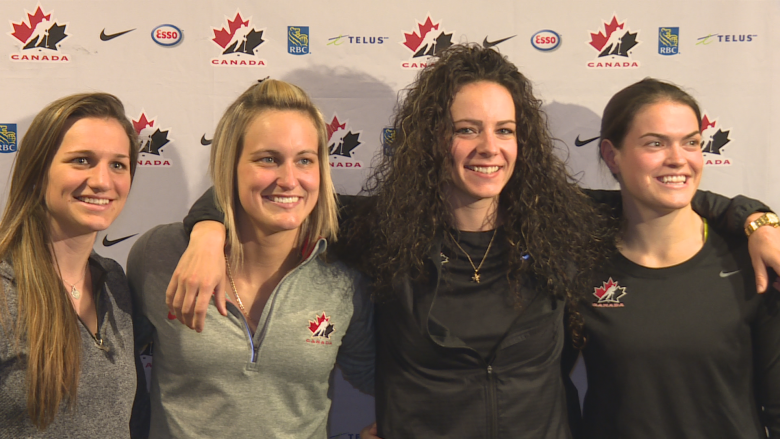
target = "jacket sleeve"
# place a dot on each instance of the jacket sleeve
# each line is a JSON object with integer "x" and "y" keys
{"x": 357, "y": 354}
{"x": 204, "y": 209}
{"x": 726, "y": 214}
{"x": 766, "y": 348}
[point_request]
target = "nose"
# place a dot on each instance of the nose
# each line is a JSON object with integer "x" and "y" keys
{"x": 675, "y": 155}
{"x": 100, "y": 178}
{"x": 488, "y": 146}
{"x": 287, "y": 177}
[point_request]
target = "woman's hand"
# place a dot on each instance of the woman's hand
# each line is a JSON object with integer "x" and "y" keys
{"x": 764, "y": 247}
{"x": 369, "y": 432}
{"x": 199, "y": 275}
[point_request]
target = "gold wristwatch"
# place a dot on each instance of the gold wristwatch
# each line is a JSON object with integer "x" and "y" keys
{"x": 767, "y": 219}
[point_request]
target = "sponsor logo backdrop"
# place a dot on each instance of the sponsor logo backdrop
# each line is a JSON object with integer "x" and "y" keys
{"x": 176, "y": 67}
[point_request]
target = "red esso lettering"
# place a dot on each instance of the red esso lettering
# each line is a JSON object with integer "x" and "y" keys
{"x": 545, "y": 40}
{"x": 170, "y": 35}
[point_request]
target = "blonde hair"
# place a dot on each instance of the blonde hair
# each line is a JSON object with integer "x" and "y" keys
{"x": 226, "y": 148}
{"x": 47, "y": 322}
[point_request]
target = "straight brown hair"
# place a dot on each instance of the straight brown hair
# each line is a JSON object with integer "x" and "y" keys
{"x": 47, "y": 324}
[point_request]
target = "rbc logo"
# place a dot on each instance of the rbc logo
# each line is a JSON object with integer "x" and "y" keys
{"x": 668, "y": 40}
{"x": 298, "y": 40}
{"x": 7, "y": 138}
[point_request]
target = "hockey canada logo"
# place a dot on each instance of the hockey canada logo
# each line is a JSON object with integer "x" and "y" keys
{"x": 239, "y": 42}
{"x": 321, "y": 328}
{"x": 341, "y": 144}
{"x": 613, "y": 44}
{"x": 609, "y": 295}
{"x": 40, "y": 36}
{"x": 429, "y": 40}
{"x": 151, "y": 141}
{"x": 713, "y": 140}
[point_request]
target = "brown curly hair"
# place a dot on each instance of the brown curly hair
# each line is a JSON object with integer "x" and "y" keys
{"x": 544, "y": 214}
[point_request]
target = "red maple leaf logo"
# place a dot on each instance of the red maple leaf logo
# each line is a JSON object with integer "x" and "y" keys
{"x": 313, "y": 326}
{"x": 706, "y": 123}
{"x": 142, "y": 123}
{"x": 223, "y": 36}
{"x": 413, "y": 40}
{"x": 599, "y": 40}
{"x": 22, "y": 31}
{"x": 600, "y": 292}
{"x": 334, "y": 126}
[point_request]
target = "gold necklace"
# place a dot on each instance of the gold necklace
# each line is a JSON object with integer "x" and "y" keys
{"x": 233, "y": 285}
{"x": 74, "y": 292}
{"x": 475, "y": 278}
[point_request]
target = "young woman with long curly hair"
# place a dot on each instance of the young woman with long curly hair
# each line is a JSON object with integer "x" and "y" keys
{"x": 476, "y": 239}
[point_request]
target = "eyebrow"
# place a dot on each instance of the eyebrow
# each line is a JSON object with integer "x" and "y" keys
{"x": 479, "y": 122}
{"x": 92, "y": 152}
{"x": 665, "y": 137}
{"x": 277, "y": 152}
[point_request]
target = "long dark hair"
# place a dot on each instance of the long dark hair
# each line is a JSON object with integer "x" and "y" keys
{"x": 545, "y": 215}
{"x": 47, "y": 325}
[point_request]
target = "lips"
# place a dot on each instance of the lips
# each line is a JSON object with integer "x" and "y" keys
{"x": 283, "y": 199}
{"x": 94, "y": 201}
{"x": 484, "y": 169}
{"x": 673, "y": 179}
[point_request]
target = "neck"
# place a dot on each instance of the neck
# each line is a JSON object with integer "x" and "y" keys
{"x": 72, "y": 254}
{"x": 266, "y": 255}
{"x": 660, "y": 239}
{"x": 477, "y": 216}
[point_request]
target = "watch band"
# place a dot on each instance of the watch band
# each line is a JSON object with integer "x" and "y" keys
{"x": 767, "y": 219}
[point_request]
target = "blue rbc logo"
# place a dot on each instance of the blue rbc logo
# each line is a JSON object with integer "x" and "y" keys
{"x": 7, "y": 137}
{"x": 669, "y": 40}
{"x": 298, "y": 40}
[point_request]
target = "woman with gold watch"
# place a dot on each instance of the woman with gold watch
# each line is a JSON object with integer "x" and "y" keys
{"x": 678, "y": 341}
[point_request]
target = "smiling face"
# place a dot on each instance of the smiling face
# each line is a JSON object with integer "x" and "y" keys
{"x": 89, "y": 178}
{"x": 660, "y": 164}
{"x": 484, "y": 144}
{"x": 277, "y": 174}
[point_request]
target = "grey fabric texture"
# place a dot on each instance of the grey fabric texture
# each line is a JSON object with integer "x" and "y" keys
{"x": 107, "y": 381}
{"x": 214, "y": 384}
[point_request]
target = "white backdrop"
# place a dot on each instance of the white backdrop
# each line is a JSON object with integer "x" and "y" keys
{"x": 177, "y": 64}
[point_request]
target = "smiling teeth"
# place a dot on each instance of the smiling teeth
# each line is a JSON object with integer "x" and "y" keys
{"x": 285, "y": 200}
{"x": 674, "y": 179}
{"x": 485, "y": 169}
{"x": 98, "y": 201}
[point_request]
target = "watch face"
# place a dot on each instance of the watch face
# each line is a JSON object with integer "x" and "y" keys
{"x": 772, "y": 218}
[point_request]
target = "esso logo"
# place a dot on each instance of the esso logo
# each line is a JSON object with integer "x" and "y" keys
{"x": 167, "y": 35}
{"x": 546, "y": 40}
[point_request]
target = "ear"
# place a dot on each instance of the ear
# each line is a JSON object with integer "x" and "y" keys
{"x": 609, "y": 153}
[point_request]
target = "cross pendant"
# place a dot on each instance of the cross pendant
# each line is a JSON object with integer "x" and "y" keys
{"x": 475, "y": 278}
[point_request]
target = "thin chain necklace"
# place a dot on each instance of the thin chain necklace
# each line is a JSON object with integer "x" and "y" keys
{"x": 475, "y": 278}
{"x": 74, "y": 292}
{"x": 233, "y": 285}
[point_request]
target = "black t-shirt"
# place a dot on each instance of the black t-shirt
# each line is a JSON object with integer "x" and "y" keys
{"x": 459, "y": 299}
{"x": 689, "y": 351}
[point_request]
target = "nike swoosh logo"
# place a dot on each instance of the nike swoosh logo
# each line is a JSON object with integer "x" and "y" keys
{"x": 108, "y": 37}
{"x": 108, "y": 242}
{"x": 204, "y": 141}
{"x": 578, "y": 142}
{"x": 727, "y": 274}
{"x": 486, "y": 44}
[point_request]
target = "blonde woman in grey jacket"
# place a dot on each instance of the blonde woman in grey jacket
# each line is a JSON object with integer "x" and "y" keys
{"x": 262, "y": 369}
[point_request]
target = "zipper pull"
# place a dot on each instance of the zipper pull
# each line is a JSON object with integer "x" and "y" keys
{"x": 99, "y": 342}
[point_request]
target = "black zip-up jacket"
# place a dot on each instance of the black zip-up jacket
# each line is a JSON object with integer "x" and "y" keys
{"x": 431, "y": 385}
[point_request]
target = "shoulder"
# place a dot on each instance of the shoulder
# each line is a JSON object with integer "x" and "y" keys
{"x": 164, "y": 236}
{"x": 334, "y": 276}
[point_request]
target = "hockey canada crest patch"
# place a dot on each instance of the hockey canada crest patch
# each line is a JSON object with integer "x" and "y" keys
{"x": 321, "y": 329}
{"x": 609, "y": 295}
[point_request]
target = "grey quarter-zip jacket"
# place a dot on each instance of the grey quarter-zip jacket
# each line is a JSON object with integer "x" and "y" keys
{"x": 228, "y": 382}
